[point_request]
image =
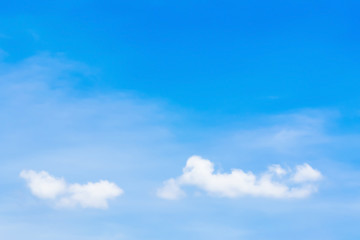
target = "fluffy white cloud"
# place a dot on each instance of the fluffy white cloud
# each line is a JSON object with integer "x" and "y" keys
{"x": 305, "y": 173}
{"x": 90, "y": 195}
{"x": 276, "y": 182}
{"x": 43, "y": 185}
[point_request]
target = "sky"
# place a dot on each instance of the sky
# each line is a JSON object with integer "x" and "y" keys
{"x": 206, "y": 120}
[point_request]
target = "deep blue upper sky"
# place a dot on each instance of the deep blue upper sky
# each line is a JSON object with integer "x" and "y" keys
{"x": 214, "y": 56}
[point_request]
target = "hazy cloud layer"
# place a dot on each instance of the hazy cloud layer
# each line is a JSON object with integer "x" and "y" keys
{"x": 90, "y": 195}
{"x": 276, "y": 182}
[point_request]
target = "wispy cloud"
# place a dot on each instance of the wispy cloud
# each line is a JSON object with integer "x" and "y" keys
{"x": 57, "y": 124}
{"x": 286, "y": 133}
{"x": 89, "y": 195}
{"x": 52, "y": 123}
{"x": 276, "y": 182}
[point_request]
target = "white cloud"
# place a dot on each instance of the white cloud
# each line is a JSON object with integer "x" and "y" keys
{"x": 305, "y": 173}
{"x": 43, "y": 185}
{"x": 277, "y": 169}
{"x": 90, "y": 195}
{"x": 275, "y": 182}
{"x": 171, "y": 190}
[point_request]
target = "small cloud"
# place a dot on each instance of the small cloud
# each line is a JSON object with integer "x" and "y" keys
{"x": 43, "y": 185}
{"x": 171, "y": 190}
{"x": 274, "y": 183}
{"x": 277, "y": 169}
{"x": 305, "y": 173}
{"x": 90, "y": 195}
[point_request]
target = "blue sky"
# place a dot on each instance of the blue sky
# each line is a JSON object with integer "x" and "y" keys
{"x": 179, "y": 120}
